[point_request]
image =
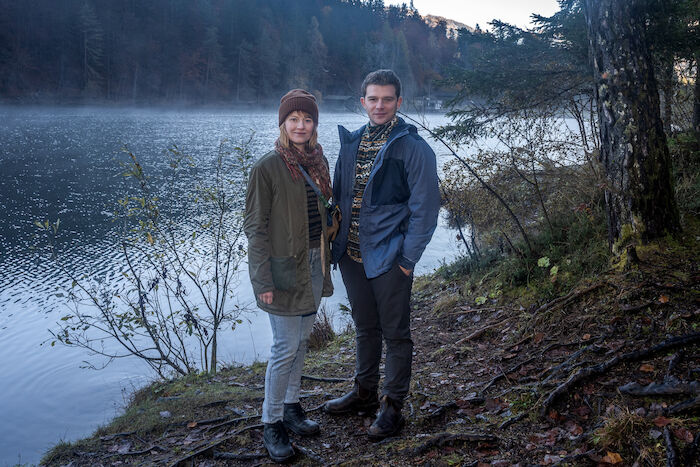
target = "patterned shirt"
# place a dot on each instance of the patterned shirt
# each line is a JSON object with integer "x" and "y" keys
{"x": 373, "y": 138}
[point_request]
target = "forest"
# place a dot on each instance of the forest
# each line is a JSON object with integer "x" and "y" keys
{"x": 242, "y": 51}
{"x": 569, "y": 331}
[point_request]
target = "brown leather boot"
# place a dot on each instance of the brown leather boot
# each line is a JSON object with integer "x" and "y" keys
{"x": 357, "y": 400}
{"x": 389, "y": 420}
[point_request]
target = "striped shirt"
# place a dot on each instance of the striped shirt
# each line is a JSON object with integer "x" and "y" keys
{"x": 314, "y": 217}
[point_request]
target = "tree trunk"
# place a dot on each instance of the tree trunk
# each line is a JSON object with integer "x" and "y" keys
{"x": 696, "y": 99}
{"x": 639, "y": 194}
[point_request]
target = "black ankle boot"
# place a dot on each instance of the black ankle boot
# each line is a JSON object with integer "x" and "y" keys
{"x": 389, "y": 420}
{"x": 277, "y": 442}
{"x": 296, "y": 421}
{"x": 357, "y": 400}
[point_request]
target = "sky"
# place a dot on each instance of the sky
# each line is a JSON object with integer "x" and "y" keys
{"x": 473, "y": 12}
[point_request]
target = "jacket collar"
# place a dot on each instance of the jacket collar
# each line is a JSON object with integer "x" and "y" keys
{"x": 401, "y": 128}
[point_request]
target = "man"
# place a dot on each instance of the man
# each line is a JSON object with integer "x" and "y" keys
{"x": 386, "y": 185}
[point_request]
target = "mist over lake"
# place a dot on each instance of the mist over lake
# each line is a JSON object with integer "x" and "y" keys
{"x": 65, "y": 163}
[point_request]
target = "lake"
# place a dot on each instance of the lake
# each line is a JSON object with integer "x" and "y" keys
{"x": 64, "y": 163}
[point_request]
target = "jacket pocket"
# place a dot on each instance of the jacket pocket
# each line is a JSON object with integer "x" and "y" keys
{"x": 284, "y": 272}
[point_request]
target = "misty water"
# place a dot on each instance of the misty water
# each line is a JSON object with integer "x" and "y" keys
{"x": 65, "y": 163}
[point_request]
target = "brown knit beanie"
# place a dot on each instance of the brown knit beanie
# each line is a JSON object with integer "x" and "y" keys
{"x": 298, "y": 99}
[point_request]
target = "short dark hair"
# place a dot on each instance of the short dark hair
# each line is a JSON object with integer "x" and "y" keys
{"x": 382, "y": 78}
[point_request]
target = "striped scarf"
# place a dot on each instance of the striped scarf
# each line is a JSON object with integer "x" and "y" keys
{"x": 373, "y": 138}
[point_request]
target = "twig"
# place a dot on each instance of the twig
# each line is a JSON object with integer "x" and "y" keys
{"x": 558, "y": 344}
{"x": 566, "y": 299}
{"x": 504, "y": 373}
{"x": 310, "y": 454}
{"x": 210, "y": 446}
{"x": 116, "y": 435}
{"x": 671, "y": 457}
{"x": 233, "y": 421}
{"x": 673, "y": 342}
{"x": 144, "y": 451}
{"x": 677, "y": 357}
{"x": 441, "y": 439}
{"x": 479, "y": 332}
{"x": 239, "y": 457}
{"x": 318, "y": 407}
{"x": 324, "y": 379}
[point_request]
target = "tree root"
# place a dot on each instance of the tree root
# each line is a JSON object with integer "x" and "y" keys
{"x": 479, "y": 332}
{"x": 326, "y": 380}
{"x": 684, "y": 406}
{"x": 310, "y": 454}
{"x": 671, "y": 456}
{"x": 442, "y": 439}
{"x": 660, "y": 389}
{"x": 504, "y": 373}
{"x": 207, "y": 447}
{"x": 512, "y": 420}
{"x": 566, "y": 364}
{"x": 584, "y": 373}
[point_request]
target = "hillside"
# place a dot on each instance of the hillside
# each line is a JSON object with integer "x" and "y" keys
{"x": 605, "y": 373}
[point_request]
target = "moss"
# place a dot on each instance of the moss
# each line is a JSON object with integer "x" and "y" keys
{"x": 64, "y": 453}
{"x": 446, "y": 303}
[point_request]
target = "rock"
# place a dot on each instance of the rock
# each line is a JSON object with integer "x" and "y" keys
{"x": 165, "y": 414}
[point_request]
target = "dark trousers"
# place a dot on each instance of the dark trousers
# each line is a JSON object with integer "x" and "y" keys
{"x": 380, "y": 309}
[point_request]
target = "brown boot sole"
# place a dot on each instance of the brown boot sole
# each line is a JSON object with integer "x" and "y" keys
{"x": 381, "y": 436}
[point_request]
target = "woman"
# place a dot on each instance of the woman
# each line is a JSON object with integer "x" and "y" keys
{"x": 288, "y": 260}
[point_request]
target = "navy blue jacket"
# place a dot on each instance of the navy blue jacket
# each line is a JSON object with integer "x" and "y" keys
{"x": 400, "y": 204}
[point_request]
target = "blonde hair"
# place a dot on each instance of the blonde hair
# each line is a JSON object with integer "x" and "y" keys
{"x": 284, "y": 137}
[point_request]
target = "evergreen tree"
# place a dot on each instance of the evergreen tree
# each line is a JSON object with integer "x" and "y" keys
{"x": 92, "y": 37}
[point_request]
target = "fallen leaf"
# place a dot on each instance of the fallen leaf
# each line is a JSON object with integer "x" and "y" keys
{"x": 586, "y": 337}
{"x": 661, "y": 421}
{"x": 684, "y": 434}
{"x": 663, "y": 299}
{"x": 647, "y": 368}
{"x": 612, "y": 458}
{"x": 495, "y": 405}
{"x": 582, "y": 411}
{"x": 538, "y": 337}
{"x": 573, "y": 428}
{"x": 191, "y": 424}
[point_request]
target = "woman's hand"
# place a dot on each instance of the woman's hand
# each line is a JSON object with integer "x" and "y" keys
{"x": 266, "y": 297}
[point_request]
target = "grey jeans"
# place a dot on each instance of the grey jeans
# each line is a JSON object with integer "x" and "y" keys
{"x": 290, "y": 339}
{"x": 381, "y": 312}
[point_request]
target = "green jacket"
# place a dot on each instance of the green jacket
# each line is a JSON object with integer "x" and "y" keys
{"x": 277, "y": 227}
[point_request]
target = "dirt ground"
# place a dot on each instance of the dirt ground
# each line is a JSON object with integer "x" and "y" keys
{"x": 607, "y": 374}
